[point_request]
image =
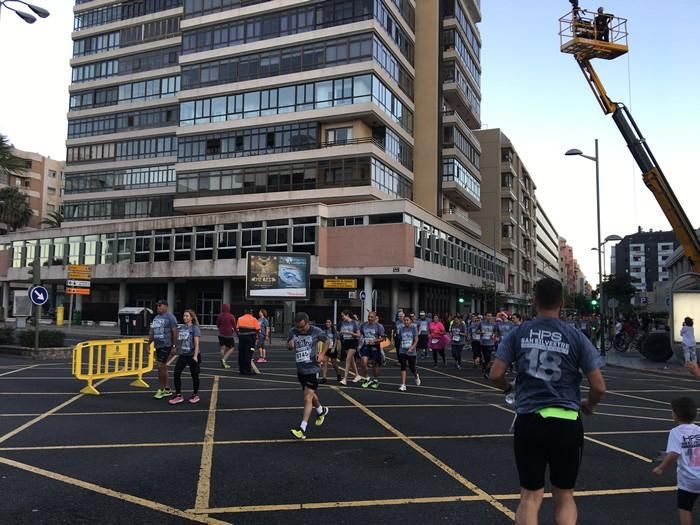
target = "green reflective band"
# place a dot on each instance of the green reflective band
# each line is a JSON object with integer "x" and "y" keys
{"x": 559, "y": 413}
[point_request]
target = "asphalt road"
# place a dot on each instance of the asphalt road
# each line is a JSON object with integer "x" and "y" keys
{"x": 439, "y": 453}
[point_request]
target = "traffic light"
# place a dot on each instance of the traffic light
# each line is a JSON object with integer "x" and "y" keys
{"x": 460, "y": 296}
{"x": 594, "y": 298}
{"x": 35, "y": 272}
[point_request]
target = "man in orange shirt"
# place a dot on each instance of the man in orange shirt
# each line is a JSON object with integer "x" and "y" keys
{"x": 248, "y": 329}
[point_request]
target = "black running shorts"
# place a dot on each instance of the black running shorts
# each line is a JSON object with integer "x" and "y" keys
{"x": 686, "y": 500}
{"x": 308, "y": 381}
{"x": 422, "y": 342}
{"x": 163, "y": 354}
{"x": 540, "y": 442}
{"x": 227, "y": 341}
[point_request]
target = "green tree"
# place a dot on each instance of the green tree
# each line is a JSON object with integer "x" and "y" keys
{"x": 10, "y": 164}
{"x": 14, "y": 208}
{"x": 54, "y": 219}
{"x": 620, "y": 287}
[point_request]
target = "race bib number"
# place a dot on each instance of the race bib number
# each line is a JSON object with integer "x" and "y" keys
{"x": 456, "y": 338}
{"x": 434, "y": 341}
{"x": 303, "y": 356}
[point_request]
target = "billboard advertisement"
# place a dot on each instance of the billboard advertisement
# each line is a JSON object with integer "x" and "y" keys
{"x": 685, "y": 304}
{"x": 271, "y": 275}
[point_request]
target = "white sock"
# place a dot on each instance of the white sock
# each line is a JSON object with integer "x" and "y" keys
{"x": 319, "y": 409}
{"x": 303, "y": 426}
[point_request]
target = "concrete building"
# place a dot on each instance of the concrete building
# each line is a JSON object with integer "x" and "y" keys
{"x": 42, "y": 183}
{"x": 643, "y": 255}
{"x": 567, "y": 266}
{"x": 199, "y": 131}
{"x": 547, "y": 246}
{"x": 508, "y": 216}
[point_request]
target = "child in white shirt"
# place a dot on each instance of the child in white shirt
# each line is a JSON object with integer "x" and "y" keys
{"x": 688, "y": 341}
{"x": 684, "y": 447}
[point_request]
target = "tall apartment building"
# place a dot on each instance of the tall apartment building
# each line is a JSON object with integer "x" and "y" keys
{"x": 202, "y": 130}
{"x": 643, "y": 255}
{"x": 547, "y": 246}
{"x": 41, "y": 182}
{"x": 567, "y": 266}
{"x": 508, "y": 216}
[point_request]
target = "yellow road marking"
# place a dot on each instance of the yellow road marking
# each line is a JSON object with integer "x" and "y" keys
{"x": 618, "y": 449}
{"x": 430, "y": 457}
{"x": 290, "y": 440}
{"x": 630, "y": 416}
{"x": 43, "y": 416}
{"x": 204, "y": 483}
{"x": 141, "y": 392}
{"x": 425, "y": 500}
{"x": 112, "y": 493}
{"x": 17, "y": 370}
{"x": 338, "y": 504}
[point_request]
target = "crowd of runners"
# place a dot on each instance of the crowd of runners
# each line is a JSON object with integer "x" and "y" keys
{"x": 547, "y": 356}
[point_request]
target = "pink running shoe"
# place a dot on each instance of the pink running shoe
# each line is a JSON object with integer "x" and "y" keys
{"x": 259, "y": 360}
{"x": 194, "y": 399}
{"x": 176, "y": 400}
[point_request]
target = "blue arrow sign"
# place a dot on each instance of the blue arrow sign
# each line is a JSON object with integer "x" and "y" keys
{"x": 38, "y": 295}
{"x": 363, "y": 295}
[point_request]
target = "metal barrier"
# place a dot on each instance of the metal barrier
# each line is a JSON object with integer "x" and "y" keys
{"x": 93, "y": 360}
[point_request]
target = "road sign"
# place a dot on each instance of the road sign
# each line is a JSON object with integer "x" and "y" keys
{"x": 363, "y": 295}
{"x": 38, "y": 295}
{"x": 348, "y": 284}
{"x": 613, "y": 303}
{"x": 77, "y": 291}
{"x": 78, "y": 284}
{"x": 644, "y": 300}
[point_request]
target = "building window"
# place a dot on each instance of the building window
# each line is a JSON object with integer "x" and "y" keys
{"x": 338, "y": 135}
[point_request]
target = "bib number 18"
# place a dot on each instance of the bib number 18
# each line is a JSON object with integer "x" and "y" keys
{"x": 544, "y": 365}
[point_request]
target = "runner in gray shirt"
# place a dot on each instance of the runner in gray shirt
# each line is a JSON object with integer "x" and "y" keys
{"x": 549, "y": 357}
{"x": 304, "y": 339}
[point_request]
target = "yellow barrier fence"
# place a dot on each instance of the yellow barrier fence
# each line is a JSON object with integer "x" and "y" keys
{"x": 94, "y": 360}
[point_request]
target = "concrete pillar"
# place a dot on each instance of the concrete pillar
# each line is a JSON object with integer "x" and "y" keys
{"x": 453, "y": 301}
{"x": 394, "y": 296}
{"x": 226, "y": 292}
{"x": 367, "y": 305}
{"x": 288, "y": 318}
{"x": 415, "y": 298}
{"x": 122, "y": 295}
{"x": 78, "y": 303}
{"x": 5, "y": 298}
{"x": 171, "y": 296}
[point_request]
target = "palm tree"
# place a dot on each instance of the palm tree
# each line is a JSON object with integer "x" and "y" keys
{"x": 54, "y": 219}
{"x": 10, "y": 164}
{"x": 14, "y": 208}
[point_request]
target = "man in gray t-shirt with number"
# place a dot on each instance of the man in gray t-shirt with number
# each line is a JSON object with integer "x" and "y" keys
{"x": 163, "y": 335}
{"x": 549, "y": 356}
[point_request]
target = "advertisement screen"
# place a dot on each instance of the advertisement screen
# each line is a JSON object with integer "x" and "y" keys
{"x": 278, "y": 275}
{"x": 685, "y": 304}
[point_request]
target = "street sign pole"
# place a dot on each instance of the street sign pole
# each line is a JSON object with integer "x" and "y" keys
{"x": 335, "y": 311}
{"x": 36, "y": 327}
{"x": 70, "y": 312}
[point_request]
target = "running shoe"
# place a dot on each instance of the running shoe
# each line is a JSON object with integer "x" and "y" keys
{"x": 417, "y": 380}
{"x": 459, "y": 367}
{"x": 343, "y": 382}
{"x": 402, "y": 388}
{"x": 298, "y": 433}
{"x": 163, "y": 392}
{"x": 321, "y": 417}
{"x": 338, "y": 377}
{"x": 194, "y": 399}
{"x": 323, "y": 381}
{"x": 176, "y": 400}
{"x": 366, "y": 383}
{"x": 259, "y": 360}
{"x": 358, "y": 378}
{"x": 375, "y": 384}
{"x": 224, "y": 364}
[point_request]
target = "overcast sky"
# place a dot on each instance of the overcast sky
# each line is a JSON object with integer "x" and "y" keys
{"x": 535, "y": 94}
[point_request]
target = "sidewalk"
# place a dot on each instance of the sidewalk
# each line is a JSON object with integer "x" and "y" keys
{"x": 636, "y": 361}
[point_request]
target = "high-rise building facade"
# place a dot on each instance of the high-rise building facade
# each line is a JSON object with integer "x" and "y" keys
{"x": 42, "y": 183}
{"x": 547, "y": 246}
{"x": 202, "y": 130}
{"x": 508, "y": 217}
{"x": 643, "y": 256}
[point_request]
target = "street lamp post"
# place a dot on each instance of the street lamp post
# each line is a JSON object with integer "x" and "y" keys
{"x": 30, "y": 19}
{"x": 595, "y": 159}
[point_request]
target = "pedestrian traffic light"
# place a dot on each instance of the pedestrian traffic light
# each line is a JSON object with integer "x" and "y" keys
{"x": 594, "y": 302}
{"x": 460, "y": 296}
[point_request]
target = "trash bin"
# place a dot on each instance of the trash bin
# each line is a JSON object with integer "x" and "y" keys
{"x": 59, "y": 315}
{"x": 135, "y": 320}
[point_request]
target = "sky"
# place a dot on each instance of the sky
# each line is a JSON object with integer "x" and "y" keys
{"x": 535, "y": 94}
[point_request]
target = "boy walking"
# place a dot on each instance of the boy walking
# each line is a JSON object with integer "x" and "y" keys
{"x": 684, "y": 448}
{"x": 304, "y": 339}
